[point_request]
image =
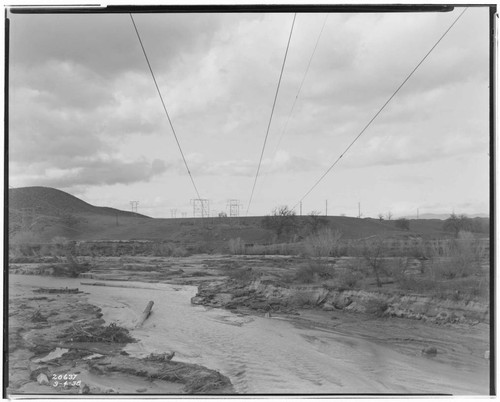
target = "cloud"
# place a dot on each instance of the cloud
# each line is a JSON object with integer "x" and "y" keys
{"x": 281, "y": 162}
{"x": 87, "y": 39}
{"x": 96, "y": 172}
{"x": 83, "y": 103}
{"x": 392, "y": 150}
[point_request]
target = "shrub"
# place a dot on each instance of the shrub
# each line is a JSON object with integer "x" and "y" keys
{"x": 24, "y": 243}
{"x": 241, "y": 274}
{"x": 313, "y": 271}
{"x": 458, "y": 258}
{"x": 316, "y": 222}
{"x": 236, "y": 246}
{"x": 347, "y": 279}
{"x": 374, "y": 252}
{"x": 325, "y": 243}
{"x": 377, "y": 307}
{"x": 169, "y": 250}
{"x": 397, "y": 267}
{"x": 59, "y": 240}
{"x": 403, "y": 224}
{"x": 457, "y": 223}
{"x": 282, "y": 221}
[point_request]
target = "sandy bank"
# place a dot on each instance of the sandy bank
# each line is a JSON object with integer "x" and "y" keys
{"x": 59, "y": 343}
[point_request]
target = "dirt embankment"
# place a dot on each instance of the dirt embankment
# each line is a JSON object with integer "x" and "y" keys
{"x": 268, "y": 296}
{"x": 59, "y": 344}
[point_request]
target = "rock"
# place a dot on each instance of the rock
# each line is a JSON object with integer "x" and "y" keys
{"x": 141, "y": 390}
{"x": 42, "y": 379}
{"x": 328, "y": 307}
{"x": 84, "y": 389}
{"x": 429, "y": 351}
{"x": 40, "y": 370}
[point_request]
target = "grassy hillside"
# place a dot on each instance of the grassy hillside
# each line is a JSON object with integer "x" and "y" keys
{"x": 47, "y": 213}
{"x": 52, "y": 202}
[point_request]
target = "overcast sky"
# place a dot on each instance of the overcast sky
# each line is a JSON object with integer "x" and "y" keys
{"x": 85, "y": 116}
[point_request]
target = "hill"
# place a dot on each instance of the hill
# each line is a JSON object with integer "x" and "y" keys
{"x": 52, "y": 202}
{"x": 44, "y": 213}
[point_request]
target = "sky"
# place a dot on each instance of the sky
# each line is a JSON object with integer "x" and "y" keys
{"x": 85, "y": 116}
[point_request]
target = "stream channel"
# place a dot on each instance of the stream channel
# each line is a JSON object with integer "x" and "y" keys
{"x": 268, "y": 355}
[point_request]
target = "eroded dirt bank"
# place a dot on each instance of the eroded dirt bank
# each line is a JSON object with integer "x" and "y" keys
{"x": 315, "y": 339}
{"x": 60, "y": 344}
{"x": 268, "y": 296}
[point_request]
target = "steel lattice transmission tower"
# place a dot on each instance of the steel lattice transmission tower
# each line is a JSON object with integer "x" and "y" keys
{"x": 201, "y": 207}
{"x": 234, "y": 207}
{"x": 134, "y": 205}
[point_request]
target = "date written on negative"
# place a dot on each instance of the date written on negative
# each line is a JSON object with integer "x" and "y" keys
{"x": 65, "y": 380}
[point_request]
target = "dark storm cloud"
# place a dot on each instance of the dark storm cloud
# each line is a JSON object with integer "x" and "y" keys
{"x": 107, "y": 43}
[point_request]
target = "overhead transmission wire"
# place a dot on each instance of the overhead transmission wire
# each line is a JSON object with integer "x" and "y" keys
{"x": 272, "y": 112}
{"x": 298, "y": 92}
{"x": 301, "y": 84}
{"x": 380, "y": 110}
{"x": 164, "y": 107}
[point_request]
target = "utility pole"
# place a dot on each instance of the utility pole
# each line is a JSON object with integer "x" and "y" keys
{"x": 173, "y": 213}
{"x": 326, "y": 208}
{"x": 359, "y": 210}
{"x": 300, "y": 208}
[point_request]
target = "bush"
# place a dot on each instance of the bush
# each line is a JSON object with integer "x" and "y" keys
{"x": 325, "y": 243}
{"x": 24, "y": 243}
{"x": 347, "y": 279}
{"x": 282, "y": 221}
{"x": 312, "y": 272}
{"x": 458, "y": 223}
{"x": 316, "y": 222}
{"x": 241, "y": 274}
{"x": 403, "y": 224}
{"x": 168, "y": 250}
{"x": 374, "y": 252}
{"x": 458, "y": 258}
{"x": 236, "y": 246}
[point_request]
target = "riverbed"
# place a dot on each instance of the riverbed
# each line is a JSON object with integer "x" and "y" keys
{"x": 275, "y": 355}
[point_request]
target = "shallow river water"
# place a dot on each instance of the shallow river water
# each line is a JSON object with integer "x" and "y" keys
{"x": 268, "y": 355}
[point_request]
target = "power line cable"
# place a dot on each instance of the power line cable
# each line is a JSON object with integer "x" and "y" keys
{"x": 301, "y": 84}
{"x": 164, "y": 107}
{"x": 298, "y": 93}
{"x": 272, "y": 112}
{"x": 380, "y": 110}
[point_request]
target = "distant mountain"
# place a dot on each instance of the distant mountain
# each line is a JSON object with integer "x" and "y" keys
{"x": 52, "y": 202}
{"x": 444, "y": 216}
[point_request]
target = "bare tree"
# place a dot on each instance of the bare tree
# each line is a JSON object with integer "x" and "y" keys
{"x": 373, "y": 252}
{"x": 316, "y": 222}
{"x": 381, "y": 217}
{"x": 282, "y": 221}
{"x": 389, "y": 215}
